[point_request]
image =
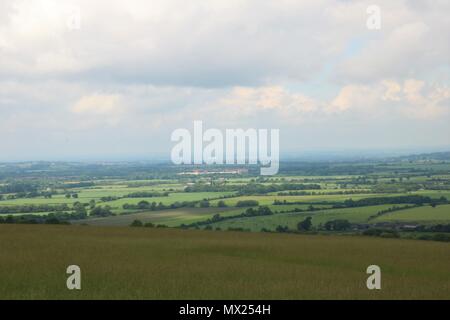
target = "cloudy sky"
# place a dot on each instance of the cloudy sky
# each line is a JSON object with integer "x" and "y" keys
{"x": 112, "y": 79}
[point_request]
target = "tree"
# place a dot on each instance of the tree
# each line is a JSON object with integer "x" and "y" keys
{"x": 143, "y": 204}
{"x": 101, "y": 211}
{"x": 337, "y": 225}
{"x": 75, "y": 195}
{"x": 221, "y": 204}
{"x": 80, "y": 210}
{"x": 282, "y": 229}
{"x": 136, "y": 223}
{"x": 204, "y": 204}
{"x": 247, "y": 203}
{"x": 304, "y": 225}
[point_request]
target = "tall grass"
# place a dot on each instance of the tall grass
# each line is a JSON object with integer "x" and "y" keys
{"x": 142, "y": 263}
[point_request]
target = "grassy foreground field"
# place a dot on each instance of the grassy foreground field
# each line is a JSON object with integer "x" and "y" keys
{"x": 143, "y": 263}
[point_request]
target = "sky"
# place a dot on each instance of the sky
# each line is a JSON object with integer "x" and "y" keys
{"x": 112, "y": 79}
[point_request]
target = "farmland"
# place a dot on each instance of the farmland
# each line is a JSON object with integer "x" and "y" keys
{"x": 308, "y": 232}
{"x": 418, "y": 214}
{"x": 142, "y": 263}
{"x": 158, "y": 194}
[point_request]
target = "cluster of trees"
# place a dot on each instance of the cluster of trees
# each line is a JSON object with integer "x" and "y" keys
{"x": 72, "y": 195}
{"x": 32, "y": 219}
{"x": 82, "y": 184}
{"x": 28, "y": 208}
{"x": 310, "y": 207}
{"x": 139, "y": 223}
{"x": 302, "y": 226}
{"x": 282, "y": 229}
{"x": 204, "y": 204}
{"x": 313, "y": 193}
{"x": 109, "y": 198}
{"x": 250, "y": 212}
{"x": 337, "y": 225}
{"x": 79, "y": 210}
{"x": 260, "y": 211}
{"x": 231, "y": 229}
{"x": 146, "y": 194}
{"x": 153, "y": 206}
{"x": 434, "y": 228}
{"x": 306, "y": 225}
{"x": 439, "y": 232}
{"x": 61, "y": 211}
{"x": 23, "y": 195}
{"x": 58, "y": 217}
{"x": 251, "y": 188}
{"x": 145, "y": 205}
{"x": 414, "y": 199}
{"x": 201, "y": 187}
{"x": 295, "y": 210}
{"x": 284, "y": 202}
{"x": 247, "y": 203}
{"x": 100, "y": 211}
{"x": 263, "y": 189}
{"x": 221, "y": 204}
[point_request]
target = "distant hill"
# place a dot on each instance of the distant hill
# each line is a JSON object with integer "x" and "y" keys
{"x": 443, "y": 156}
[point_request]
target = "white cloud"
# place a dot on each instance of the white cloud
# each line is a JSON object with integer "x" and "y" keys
{"x": 137, "y": 69}
{"x": 411, "y": 99}
{"x": 253, "y": 100}
{"x": 106, "y": 108}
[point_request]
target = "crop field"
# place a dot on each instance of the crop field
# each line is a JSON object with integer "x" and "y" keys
{"x": 219, "y": 236}
{"x": 420, "y": 214}
{"x": 269, "y": 199}
{"x": 355, "y": 215}
{"x": 171, "y": 217}
{"x": 133, "y": 263}
{"x": 173, "y": 197}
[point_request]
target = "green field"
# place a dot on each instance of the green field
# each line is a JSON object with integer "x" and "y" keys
{"x": 420, "y": 214}
{"x": 408, "y": 237}
{"x": 355, "y": 215}
{"x": 173, "y": 197}
{"x": 142, "y": 263}
{"x": 171, "y": 217}
{"x": 269, "y": 199}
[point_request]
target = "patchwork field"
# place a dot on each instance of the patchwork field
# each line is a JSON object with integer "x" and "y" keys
{"x": 355, "y": 215}
{"x": 171, "y": 218}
